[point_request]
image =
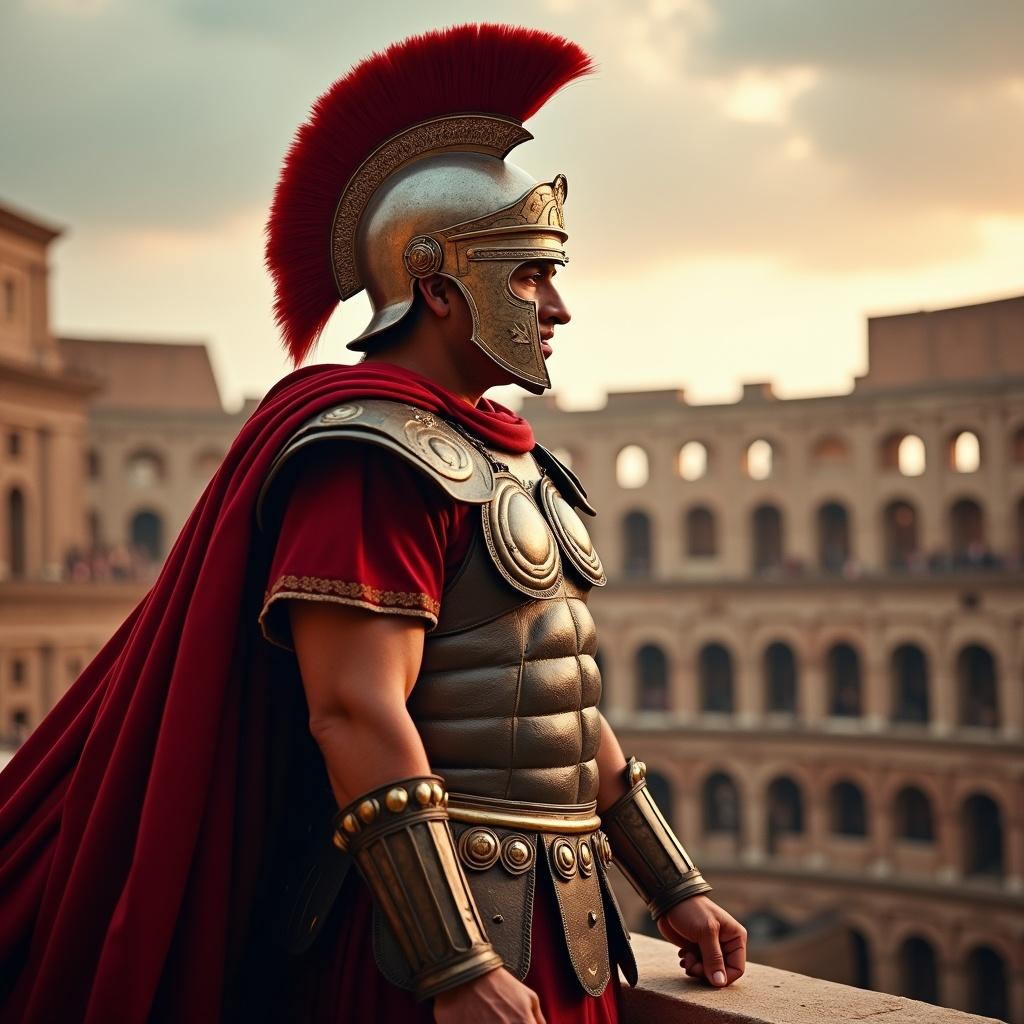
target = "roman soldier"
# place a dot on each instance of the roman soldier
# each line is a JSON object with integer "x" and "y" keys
{"x": 345, "y": 760}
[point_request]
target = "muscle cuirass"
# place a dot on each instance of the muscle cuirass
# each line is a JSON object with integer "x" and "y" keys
{"x": 506, "y": 699}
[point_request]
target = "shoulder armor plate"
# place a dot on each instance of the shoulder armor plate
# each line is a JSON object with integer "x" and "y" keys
{"x": 424, "y": 440}
{"x": 567, "y": 482}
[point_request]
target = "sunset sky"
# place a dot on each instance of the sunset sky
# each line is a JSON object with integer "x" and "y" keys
{"x": 749, "y": 178}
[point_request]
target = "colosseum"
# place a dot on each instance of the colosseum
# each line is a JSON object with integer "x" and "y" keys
{"x": 812, "y": 632}
{"x": 812, "y": 635}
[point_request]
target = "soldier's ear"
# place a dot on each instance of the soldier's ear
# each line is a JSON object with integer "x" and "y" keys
{"x": 436, "y": 292}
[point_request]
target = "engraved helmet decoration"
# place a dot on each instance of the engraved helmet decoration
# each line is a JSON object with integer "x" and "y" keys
{"x": 400, "y": 173}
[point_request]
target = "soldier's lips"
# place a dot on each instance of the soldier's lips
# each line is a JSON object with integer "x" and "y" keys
{"x": 545, "y": 347}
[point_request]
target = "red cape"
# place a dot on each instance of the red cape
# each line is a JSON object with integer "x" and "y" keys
{"x": 135, "y": 822}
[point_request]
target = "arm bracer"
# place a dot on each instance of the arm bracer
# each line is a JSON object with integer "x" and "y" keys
{"x": 402, "y": 844}
{"x": 646, "y": 849}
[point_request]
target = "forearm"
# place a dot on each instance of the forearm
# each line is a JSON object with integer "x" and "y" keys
{"x": 611, "y": 765}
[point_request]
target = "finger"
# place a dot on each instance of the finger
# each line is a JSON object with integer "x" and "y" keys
{"x": 538, "y": 1014}
{"x": 735, "y": 952}
{"x": 711, "y": 958}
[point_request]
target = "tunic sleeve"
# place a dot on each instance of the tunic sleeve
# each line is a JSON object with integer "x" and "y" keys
{"x": 361, "y": 528}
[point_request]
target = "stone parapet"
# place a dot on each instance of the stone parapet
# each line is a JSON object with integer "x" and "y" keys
{"x": 764, "y": 995}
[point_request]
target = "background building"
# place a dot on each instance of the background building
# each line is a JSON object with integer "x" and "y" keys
{"x": 812, "y": 632}
{"x": 104, "y": 448}
{"x": 812, "y": 635}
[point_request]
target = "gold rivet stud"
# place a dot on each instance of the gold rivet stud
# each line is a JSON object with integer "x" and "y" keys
{"x": 637, "y": 771}
{"x": 517, "y": 852}
{"x": 592, "y": 919}
{"x": 368, "y": 810}
{"x": 436, "y": 794}
{"x": 339, "y": 841}
{"x": 423, "y": 792}
{"x": 396, "y": 799}
{"x": 349, "y": 824}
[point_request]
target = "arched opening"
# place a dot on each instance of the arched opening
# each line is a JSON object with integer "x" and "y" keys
{"x": 700, "y": 533}
{"x": 721, "y": 800}
{"x": 964, "y": 452}
{"x": 904, "y": 453}
{"x": 861, "y": 950}
{"x": 692, "y": 462}
{"x": 830, "y": 451}
{"x": 978, "y": 687}
{"x": 913, "y": 814}
{"x": 785, "y": 810}
{"x": 145, "y": 469}
{"x": 759, "y": 460}
{"x": 93, "y": 464}
{"x": 900, "y": 529}
{"x": 833, "y": 537}
{"x": 981, "y": 826}
{"x": 632, "y": 468}
{"x": 147, "y": 535}
{"x": 714, "y": 671}
{"x": 651, "y": 679}
{"x": 780, "y": 678}
{"x": 967, "y": 533}
{"x": 847, "y": 810}
{"x": 987, "y": 992}
{"x": 17, "y": 555}
{"x": 1017, "y": 446}
{"x": 636, "y": 544}
{"x": 842, "y": 666}
{"x": 919, "y": 975}
{"x": 767, "y": 530}
{"x": 661, "y": 789}
{"x": 909, "y": 676}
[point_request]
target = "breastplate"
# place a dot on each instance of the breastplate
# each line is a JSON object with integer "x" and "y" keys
{"x": 506, "y": 700}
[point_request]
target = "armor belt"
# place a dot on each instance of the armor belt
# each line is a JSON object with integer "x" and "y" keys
{"x": 502, "y": 848}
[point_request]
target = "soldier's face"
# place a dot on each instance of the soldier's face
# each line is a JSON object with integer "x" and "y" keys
{"x": 536, "y": 282}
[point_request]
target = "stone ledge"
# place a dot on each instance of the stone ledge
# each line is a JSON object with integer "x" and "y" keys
{"x": 764, "y": 995}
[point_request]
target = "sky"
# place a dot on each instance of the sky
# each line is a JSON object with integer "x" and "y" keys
{"x": 749, "y": 179}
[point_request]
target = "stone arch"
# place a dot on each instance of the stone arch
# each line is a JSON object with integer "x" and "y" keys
{"x": 982, "y": 836}
{"x": 918, "y": 966}
{"x": 987, "y": 983}
{"x": 716, "y": 678}
{"x": 830, "y": 450}
{"x": 651, "y": 672}
{"x": 767, "y": 538}
{"x": 967, "y": 532}
{"x": 781, "y": 678}
{"x": 900, "y": 533}
{"x": 784, "y": 799}
{"x": 910, "y": 684}
{"x": 903, "y": 452}
{"x": 913, "y": 816}
{"x": 843, "y": 679}
{"x": 145, "y": 468}
{"x": 637, "y": 544}
{"x": 977, "y": 680}
{"x": 848, "y": 809}
{"x": 17, "y": 532}
{"x": 632, "y": 466}
{"x": 834, "y": 532}
{"x": 721, "y": 804}
{"x": 964, "y": 450}
{"x": 700, "y": 527}
{"x": 146, "y": 531}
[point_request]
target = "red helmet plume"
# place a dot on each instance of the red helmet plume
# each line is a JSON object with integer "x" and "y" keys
{"x": 483, "y": 69}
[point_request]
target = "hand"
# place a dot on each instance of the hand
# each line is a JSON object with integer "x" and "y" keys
{"x": 712, "y": 943}
{"x": 495, "y": 996}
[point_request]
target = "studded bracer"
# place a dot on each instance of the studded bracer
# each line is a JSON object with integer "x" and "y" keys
{"x": 506, "y": 700}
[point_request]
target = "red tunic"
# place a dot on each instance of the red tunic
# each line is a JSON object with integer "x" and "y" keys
{"x": 338, "y": 542}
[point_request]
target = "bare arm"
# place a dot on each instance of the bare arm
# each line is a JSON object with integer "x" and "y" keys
{"x": 358, "y": 669}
